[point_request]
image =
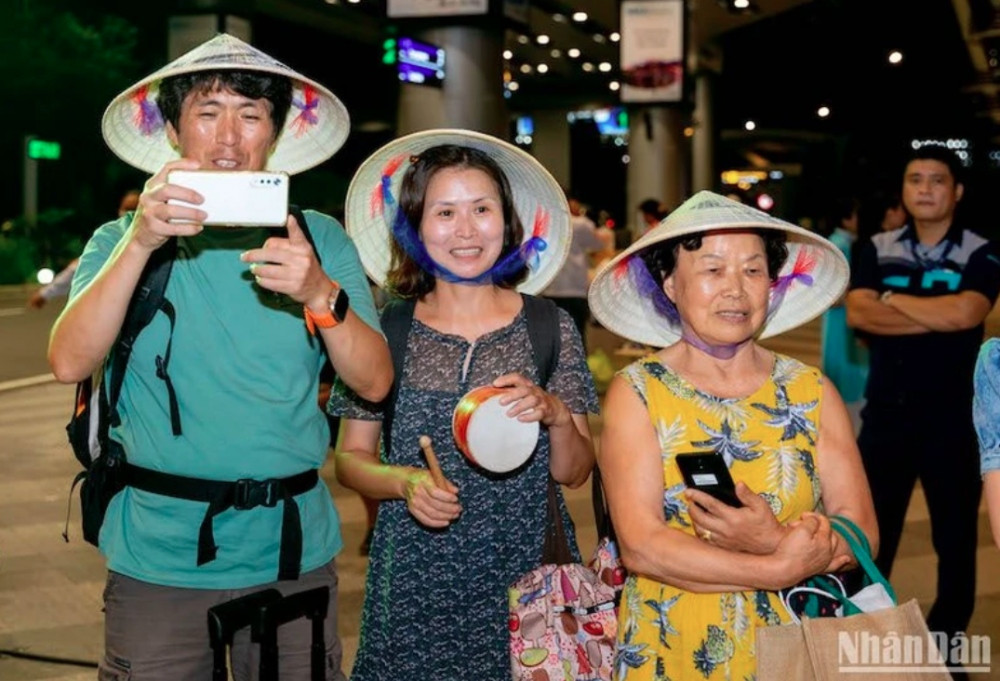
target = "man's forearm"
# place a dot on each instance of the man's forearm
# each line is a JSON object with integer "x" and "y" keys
{"x": 874, "y": 316}
{"x": 954, "y": 312}
{"x": 85, "y": 331}
{"x": 360, "y": 356}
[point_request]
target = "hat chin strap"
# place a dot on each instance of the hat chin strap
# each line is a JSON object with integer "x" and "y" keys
{"x": 726, "y": 351}
{"x": 518, "y": 259}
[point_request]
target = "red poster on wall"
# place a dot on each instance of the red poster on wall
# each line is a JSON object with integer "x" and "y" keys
{"x": 652, "y": 51}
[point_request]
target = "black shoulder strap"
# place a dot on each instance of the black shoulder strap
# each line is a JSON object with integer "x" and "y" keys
{"x": 300, "y": 218}
{"x": 543, "y": 331}
{"x": 146, "y": 301}
{"x": 396, "y": 320}
{"x": 542, "y": 317}
{"x": 602, "y": 517}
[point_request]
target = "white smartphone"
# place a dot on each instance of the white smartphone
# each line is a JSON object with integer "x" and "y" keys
{"x": 237, "y": 198}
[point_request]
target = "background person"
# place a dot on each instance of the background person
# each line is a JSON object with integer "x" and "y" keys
{"x": 60, "y": 284}
{"x": 568, "y": 289}
{"x": 922, "y": 293}
{"x": 883, "y": 211}
{"x": 986, "y": 413}
{"x": 651, "y": 212}
{"x": 478, "y": 220}
{"x": 711, "y": 279}
{"x": 844, "y": 358}
{"x": 238, "y": 399}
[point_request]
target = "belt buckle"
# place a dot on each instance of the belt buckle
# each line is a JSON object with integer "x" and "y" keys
{"x": 253, "y": 493}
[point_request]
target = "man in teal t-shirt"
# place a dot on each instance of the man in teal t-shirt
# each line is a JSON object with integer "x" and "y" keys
{"x": 222, "y": 392}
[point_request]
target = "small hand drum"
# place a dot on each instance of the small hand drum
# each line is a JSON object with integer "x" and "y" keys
{"x": 487, "y": 436}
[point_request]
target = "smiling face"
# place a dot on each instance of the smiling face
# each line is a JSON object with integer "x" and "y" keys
{"x": 930, "y": 192}
{"x": 721, "y": 290}
{"x": 462, "y": 225}
{"x": 224, "y": 130}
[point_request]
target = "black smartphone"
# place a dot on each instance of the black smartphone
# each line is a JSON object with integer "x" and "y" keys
{"x": 707, "y": 471}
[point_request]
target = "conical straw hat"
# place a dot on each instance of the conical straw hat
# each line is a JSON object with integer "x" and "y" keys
{"x": 316, "y": 127}
{"x": 813, "y": 278}
{"x": 535, "y": 193}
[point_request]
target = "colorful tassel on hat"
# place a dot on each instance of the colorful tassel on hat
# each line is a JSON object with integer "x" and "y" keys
{"x": 307, "y": 107}
{"x": 805, "y": 262}
{"x": 647, "y": 287}
{"x": 381, "y": 193}
{"x": 147, "y": 116}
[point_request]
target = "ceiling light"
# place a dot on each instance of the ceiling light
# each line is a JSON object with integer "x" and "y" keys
{"x": 573, "y": 52}
{"x": 542, "y": 39}
{"x": 823, "y": 111}
{"x": 741, "y": 4}
{"x": 525, "y": 68}
{"x": 556, "y": 53}
{"x": 599, "y": 38}
{"x": 895, "y": 57}
{"x": 604, "y": 66}
{"x": 750, "y": 125}
{"x": 542, "y": 68}
{"x": 523, "y": 39}
{"x": 615, "y": 37}
{"x": 559, "y": 18}
{"x": 614, "y": 86}
{"x": 354, "y": 2}
{"x": 507, "y": 54}
{"x": 579, "y": 16}
{"x": 512, "y": 85}
{"x": 587, "y": 66}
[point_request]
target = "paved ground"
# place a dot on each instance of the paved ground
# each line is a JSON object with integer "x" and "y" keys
{"x": 50, "y": 591}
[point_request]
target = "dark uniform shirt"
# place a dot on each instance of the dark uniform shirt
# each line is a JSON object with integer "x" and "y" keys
{"x": 925, "y": 373}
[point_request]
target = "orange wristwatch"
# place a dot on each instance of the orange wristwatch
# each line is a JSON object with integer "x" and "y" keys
{"x": 338, "y": 304}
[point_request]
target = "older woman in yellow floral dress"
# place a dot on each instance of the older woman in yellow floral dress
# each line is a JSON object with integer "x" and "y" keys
{"x": 710, "y": 280}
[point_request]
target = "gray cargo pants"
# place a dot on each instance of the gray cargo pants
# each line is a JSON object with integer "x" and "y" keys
{"x": 160, "y": 633}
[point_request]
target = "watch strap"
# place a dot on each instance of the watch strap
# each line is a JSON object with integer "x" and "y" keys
{"x": 323, "y": 321}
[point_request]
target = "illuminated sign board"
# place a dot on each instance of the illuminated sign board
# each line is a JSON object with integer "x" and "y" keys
{"x": 419, "y": 62}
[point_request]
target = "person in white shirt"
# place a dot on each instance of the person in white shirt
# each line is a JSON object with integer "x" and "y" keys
{"x": 569, "y": 289}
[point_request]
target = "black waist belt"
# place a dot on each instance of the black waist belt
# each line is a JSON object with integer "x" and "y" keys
{"x": 242, "y": 495}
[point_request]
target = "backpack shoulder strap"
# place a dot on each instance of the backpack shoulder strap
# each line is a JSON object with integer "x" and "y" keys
{"x": 396, "y": 320}
{"x": 542, "y": 317}
{"x": 543, "y": 331}
{"x": 146, "y": 301}
{"x": 300, "y": 218}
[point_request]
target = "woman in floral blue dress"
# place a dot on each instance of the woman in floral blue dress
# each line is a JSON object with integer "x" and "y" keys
{"x": 441, "y": 560}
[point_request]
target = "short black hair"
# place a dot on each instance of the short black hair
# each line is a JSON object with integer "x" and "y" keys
{"x": 661, "y": 259}
{"x": 276, "y": 89}
{"x": 654, "y": 208}
{"x": 937, "y": 152}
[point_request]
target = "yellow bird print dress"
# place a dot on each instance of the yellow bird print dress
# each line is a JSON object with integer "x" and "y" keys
{"x": 768, "y": 441}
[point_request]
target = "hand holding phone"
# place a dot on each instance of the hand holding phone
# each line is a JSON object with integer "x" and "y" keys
{"x": 707, "y": 471}
{"x": 236, "y": 198}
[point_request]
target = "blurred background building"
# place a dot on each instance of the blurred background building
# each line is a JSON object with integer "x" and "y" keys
{"x": 786, "y": 103}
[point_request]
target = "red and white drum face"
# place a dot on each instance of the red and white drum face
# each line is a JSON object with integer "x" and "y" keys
{"x": 487, "y": 436}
